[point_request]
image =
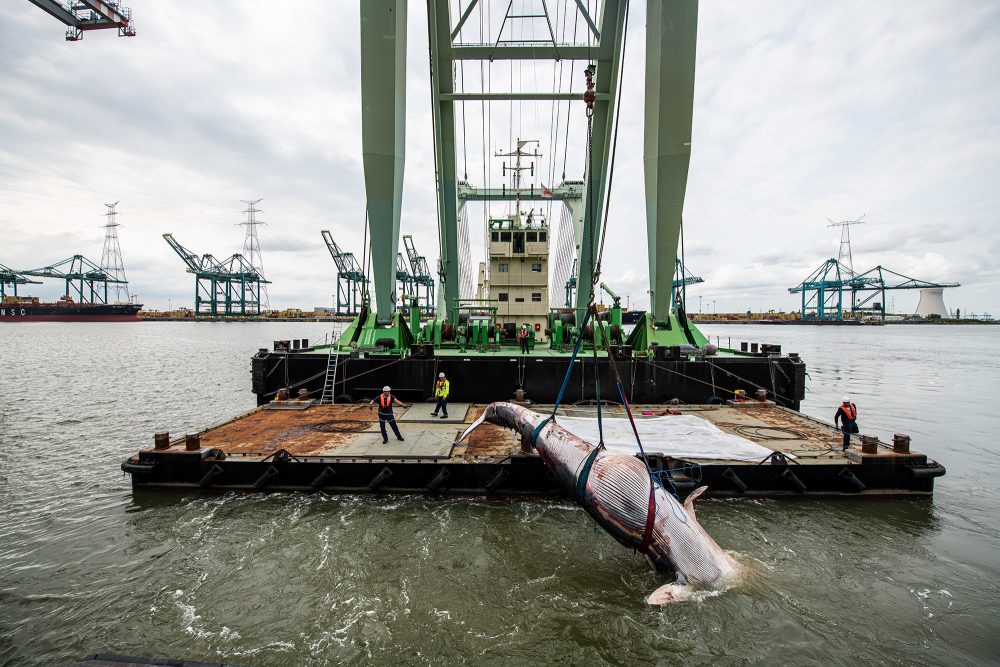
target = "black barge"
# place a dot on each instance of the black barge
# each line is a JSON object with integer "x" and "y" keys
{"x": 299, "y": 445}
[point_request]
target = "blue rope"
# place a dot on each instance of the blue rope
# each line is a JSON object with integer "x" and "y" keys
{"x": 565, "y": 384}
{"x": 576, "y": 350}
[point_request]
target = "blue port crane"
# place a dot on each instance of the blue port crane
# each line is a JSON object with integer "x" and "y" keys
{"x": 86, "y": 280}
{"x": 404, "y": 278}
{"x": 824, "y": 290}
{"x": 422, "y": 280}
{"x": 84, "y": 15}
{"x": 228, "y": 287}
{"x": 352, "y": 283}
{"x": 11, "y": 278}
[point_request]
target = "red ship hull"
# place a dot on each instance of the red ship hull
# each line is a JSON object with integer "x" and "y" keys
{"x": 69, "y": 312}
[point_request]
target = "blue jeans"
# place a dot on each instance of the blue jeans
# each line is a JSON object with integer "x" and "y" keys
{"x": 382, "y": 419}
{"x": 442, "y": 405}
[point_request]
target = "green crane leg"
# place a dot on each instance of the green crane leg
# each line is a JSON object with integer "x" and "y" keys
{"x": 671, "y": 35}
{"x": 608, "y": 58}
{"x": 383, "y": 135}
{"x": 442, "y": 85}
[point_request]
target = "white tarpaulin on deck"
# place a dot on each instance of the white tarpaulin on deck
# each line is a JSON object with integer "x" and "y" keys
{"x": 680, "y": 436}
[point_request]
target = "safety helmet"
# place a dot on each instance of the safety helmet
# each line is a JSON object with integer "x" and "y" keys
{"x": 845, "y": 399}
{"x": 386, "y": 388}
{"x": 440, "y": 375}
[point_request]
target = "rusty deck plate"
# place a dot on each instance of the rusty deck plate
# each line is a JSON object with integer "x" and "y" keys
{"x": 353, "y": 431}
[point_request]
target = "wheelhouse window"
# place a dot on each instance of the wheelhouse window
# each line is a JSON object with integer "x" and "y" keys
{"x": 502, "y": 296}
{"x": 537, "y": 267}
{"x": 504, "y": 267}
{"x": 536, "y": 296}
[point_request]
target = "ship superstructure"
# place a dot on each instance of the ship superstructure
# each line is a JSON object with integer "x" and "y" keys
{"x": 518, "y": 255}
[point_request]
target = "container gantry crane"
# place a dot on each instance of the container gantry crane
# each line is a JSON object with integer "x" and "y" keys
{"x": 230, "y": 287}
{"x": 10, "y": 277}
{"x": 84, "y": 15}
{"x": 352, "y": 283}
{"x": 86, "y": 280}
{"x": 404, "y": 278}
{"x": 823, "y": 291}
{"x": 422, "y": 280}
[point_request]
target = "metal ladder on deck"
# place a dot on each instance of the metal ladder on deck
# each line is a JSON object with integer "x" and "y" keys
{"x": 330, "y": 383}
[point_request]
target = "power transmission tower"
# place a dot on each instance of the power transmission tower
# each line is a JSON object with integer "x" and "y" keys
{"x": 111, "y": 257}
{"x": 845, "y": 241}
{"x": 251, "y": 247}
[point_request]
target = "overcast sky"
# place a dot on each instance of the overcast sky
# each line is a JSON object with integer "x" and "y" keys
{"x": 803, "y": 111}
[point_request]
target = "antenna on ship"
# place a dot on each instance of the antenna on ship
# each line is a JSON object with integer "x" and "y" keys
{"x": 517, "y": 168}
{"x": 111, "y": 257}
{"x": 251, "y": 248}
{"x": 844, "y": 257}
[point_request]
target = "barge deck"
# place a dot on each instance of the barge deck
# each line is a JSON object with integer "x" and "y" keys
{"x": 303, "y": 446}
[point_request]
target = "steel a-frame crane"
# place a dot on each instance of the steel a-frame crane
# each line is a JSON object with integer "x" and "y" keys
{"x": 352, "y": 283}
{"x": 12, "y": 278}
{"x": 229, "y": 287}
{"x": 670, "y": 58}
{"x": 86, "y": 280}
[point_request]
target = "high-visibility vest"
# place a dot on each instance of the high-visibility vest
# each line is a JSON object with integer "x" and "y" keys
{"x": 850, "y": 412}
{"x": 523, "y": 333}
{"x": 385, "y": 401}
{"x": 441, "y": 391}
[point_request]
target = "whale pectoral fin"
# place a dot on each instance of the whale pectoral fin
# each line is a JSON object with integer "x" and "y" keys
{"x": 669, "y": 593}
{"x": 693, "y": 496}
{"x": 472, "y": 427}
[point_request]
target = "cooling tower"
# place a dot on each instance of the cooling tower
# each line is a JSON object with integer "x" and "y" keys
{"x": 932, "y": 302}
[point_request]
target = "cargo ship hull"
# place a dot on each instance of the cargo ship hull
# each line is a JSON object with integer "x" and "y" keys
{"x": 69, "y": 312}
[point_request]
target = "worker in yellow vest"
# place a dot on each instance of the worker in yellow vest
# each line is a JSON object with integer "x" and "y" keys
{"x": 441, "y": 390}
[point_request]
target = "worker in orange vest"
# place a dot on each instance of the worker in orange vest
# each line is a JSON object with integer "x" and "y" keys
{"x": 385, "y": 402}
{"x": 523, "y": 338}
{"x": 847, "y": 417}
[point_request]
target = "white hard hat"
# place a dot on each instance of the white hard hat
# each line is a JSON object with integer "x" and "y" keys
{"x": 386, "y": 388}
{"x": 440, "y": 375}
{"x": 845, "y": 399}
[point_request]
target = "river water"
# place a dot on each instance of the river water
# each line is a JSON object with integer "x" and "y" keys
{"x": 87, "y": 566}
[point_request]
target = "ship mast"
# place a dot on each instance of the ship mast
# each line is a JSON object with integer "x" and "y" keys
{"x": 517, "y": 168}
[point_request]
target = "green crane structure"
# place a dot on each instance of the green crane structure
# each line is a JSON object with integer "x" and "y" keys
{"x": 9, "y": 278}
{"x": 834, "y": 292}
{"x": 84, "y": 279}
{"x": 229, "y": 287}
{"x": 670, "y": 60}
